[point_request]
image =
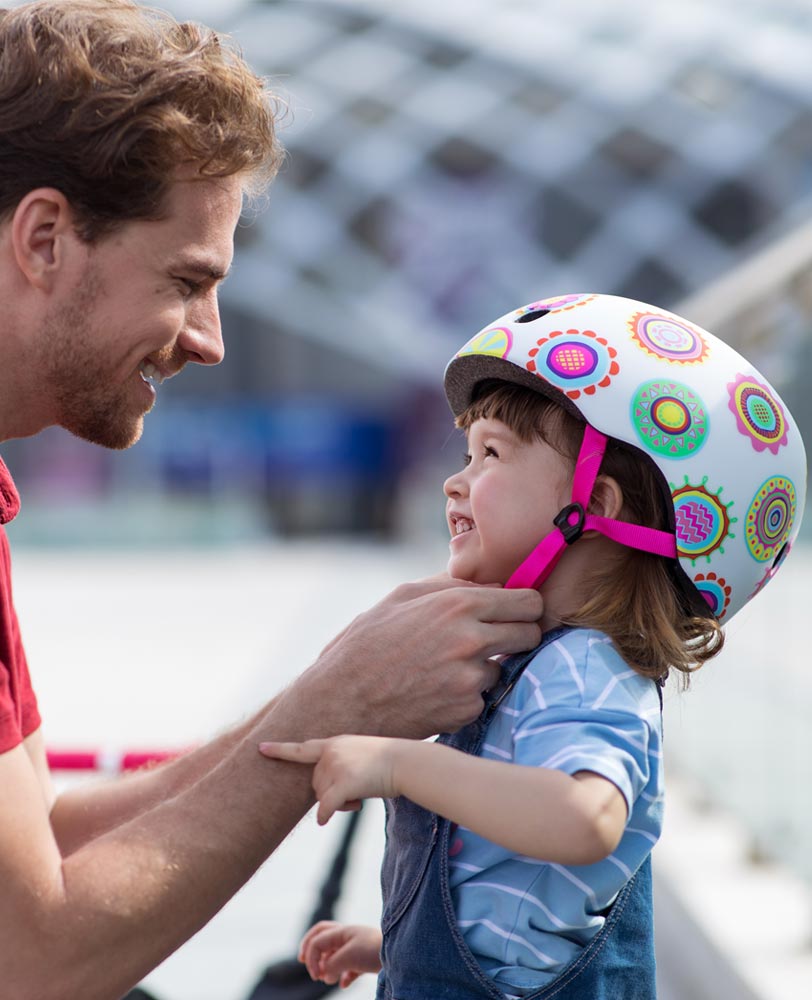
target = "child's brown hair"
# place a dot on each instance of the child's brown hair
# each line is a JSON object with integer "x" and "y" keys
{"x": 634, "y": 599}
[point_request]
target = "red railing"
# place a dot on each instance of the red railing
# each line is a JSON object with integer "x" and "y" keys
{"x": 107, "y": 761}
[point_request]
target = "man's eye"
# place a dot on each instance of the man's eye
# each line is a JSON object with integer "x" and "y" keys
{"x": 189, "y": 287}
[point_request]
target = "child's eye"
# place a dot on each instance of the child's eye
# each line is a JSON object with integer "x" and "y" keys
{"x": 490, "y": 452}
{"x": 466, "y": 458}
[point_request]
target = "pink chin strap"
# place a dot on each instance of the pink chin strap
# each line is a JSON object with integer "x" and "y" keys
{"x": 573, "y": 521}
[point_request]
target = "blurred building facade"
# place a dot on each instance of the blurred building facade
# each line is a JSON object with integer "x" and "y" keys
{"x": 446, "y": 163}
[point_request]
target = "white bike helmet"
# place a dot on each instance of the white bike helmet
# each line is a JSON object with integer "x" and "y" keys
{"x": 731, "y": 459}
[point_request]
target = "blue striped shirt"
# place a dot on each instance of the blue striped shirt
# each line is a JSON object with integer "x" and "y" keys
{"x": 577, "y": 707}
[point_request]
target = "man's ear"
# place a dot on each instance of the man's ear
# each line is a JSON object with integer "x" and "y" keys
{"x": 42, "y": 235}
{"x": 607, "y": 498}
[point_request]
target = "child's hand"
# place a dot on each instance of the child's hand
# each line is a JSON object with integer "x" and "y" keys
{"x": 338, "y": 953}
{"x": 348, "y": 769}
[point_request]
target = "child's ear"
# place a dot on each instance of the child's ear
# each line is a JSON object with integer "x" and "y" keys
{"x": 607, "y": 498}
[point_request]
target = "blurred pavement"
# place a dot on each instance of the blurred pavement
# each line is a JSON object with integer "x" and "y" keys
{"x": 150, "y": 650}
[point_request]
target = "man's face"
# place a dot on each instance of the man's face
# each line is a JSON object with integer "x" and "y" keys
{"x": 144, "y": 306}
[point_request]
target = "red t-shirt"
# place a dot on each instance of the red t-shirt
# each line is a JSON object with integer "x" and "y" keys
{"x": 19, "y": 716}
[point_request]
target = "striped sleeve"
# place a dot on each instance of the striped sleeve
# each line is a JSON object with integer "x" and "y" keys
{"x": 584, "y": 713}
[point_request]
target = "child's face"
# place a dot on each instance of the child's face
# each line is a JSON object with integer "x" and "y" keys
{"x": 502, "y": 503}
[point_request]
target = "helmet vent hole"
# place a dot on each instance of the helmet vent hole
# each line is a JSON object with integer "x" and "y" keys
{"x": 782, "y": 554}
{"x": 533, "y": 314}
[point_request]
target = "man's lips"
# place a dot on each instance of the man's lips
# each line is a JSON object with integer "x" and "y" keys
{"x": 156, "y": 374}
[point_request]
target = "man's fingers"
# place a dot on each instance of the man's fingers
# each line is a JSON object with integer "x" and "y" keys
{"x": 499, "y": 605}
{"x": 511, "y": 638}
{"x": 491, "y": 672}
{"x": 415, "y": 589}
{"x": 299, "y": 753}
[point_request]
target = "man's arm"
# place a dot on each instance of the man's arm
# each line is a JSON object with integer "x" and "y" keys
{"x": 88, "y": 810}
{"x": 93, "y": 923}
{"x": 175, "y": 849}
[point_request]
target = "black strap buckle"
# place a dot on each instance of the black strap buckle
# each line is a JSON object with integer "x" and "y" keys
{"x": 571, "y": 532}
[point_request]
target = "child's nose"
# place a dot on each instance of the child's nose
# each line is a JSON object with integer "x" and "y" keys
{"x": 454, "y": 486}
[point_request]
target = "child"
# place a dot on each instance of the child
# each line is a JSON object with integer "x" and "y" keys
{"x": 666, "y": 480}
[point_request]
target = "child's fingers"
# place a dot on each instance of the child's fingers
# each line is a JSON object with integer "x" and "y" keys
{"x": 318, "y": 944}
{"x": 308, "y": 752}
{"x": 326, "y": 809}
{"x": 332, "y": 796}
{"x": 347, "y": 978}
{"x": 337, "y": 964}
{"x": 315, "y": 931}
{"x": 312, "y": 957}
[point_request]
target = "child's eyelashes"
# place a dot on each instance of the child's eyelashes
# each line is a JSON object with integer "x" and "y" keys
{"x": 487, "y": 452}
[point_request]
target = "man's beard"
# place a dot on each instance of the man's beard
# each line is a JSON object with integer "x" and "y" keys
{"x": 88, "y": 402}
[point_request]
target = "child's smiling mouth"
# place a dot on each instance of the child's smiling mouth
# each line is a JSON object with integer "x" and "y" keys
{"x": 460, "y": 524}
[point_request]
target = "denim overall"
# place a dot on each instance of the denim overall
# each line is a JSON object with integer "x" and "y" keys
{"x": 424, "y": 954}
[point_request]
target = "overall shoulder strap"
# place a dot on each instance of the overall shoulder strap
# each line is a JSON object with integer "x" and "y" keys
{"x": 513, "y": 667}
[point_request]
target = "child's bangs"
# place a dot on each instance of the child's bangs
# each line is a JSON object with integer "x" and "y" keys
{"x": 530, "y": 415}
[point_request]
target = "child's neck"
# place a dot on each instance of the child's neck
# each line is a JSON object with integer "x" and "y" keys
{"x": 567, "y": 588}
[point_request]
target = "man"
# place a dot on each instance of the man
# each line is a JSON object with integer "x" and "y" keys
{"x": 127, "y": 143}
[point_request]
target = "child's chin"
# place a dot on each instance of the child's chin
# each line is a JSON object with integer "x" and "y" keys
{"x": 460, "y": 573}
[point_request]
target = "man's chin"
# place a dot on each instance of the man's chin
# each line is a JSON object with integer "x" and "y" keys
{"x": 115, "y": 436}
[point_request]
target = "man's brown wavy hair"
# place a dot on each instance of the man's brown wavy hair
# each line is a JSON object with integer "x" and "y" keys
{"x": 106, "y": 101}
{"x": 633, "y": 598}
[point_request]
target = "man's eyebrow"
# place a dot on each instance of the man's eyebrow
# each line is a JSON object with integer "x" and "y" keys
{"x": 204, "y": 268}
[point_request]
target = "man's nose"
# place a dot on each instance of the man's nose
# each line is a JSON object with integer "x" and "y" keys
{"x": 202, "y": 336}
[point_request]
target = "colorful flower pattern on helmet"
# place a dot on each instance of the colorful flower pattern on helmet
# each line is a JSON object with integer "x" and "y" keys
{"x": 702, "y": 520}
{"x": 575, "y": 361}
{"x": 702, "y": 414}
{"x": 669, "y": 338}
{"x": 560, "y": 304}
{"x": 770, "y": 518}
{"x": 496, "y": 341}
{"x": 669, "y": 418}
{"x": 715, "y": 590}
{"x": 758, "y": 413}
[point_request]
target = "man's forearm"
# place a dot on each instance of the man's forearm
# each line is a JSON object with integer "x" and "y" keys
{"x": 139, "y": 890}
{"x": 150, "y": 865}
{"x": 87, "y": 811}
{"x": 145, "y": 885}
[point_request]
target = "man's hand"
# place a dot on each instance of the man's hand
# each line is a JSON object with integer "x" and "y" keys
{"x": 417, "y": 662}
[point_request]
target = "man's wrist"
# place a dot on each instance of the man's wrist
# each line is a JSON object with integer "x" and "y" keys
{"x": 318, "y": 704}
